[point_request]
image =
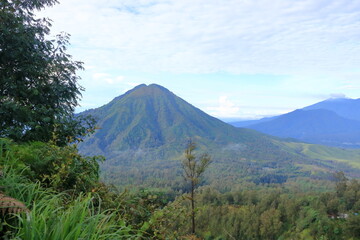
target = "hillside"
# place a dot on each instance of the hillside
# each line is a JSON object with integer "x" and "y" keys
{"x": 143, "y": 134}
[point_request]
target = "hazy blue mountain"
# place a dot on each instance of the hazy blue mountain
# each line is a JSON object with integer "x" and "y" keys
{"x": 333, "y": 122}
{"x": 143, "y": 134}
{"x": 344, "y": 107}
{"x": 315, "y": 126}
{"x": 246, "y": 123}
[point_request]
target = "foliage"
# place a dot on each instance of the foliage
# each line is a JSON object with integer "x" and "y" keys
{"x": 79, "y": 220}
{"x": 61, "y": 168}
{"x": 256, "y": 212}
{"x": 59, "y": 206}
{"x": 38, "y": 81}
{"x": 57, "y": 216}
{"x": 267, "y": 213}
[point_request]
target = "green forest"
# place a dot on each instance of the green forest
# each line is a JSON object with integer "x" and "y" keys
{"x": 49, "y": 191}
{"x": 52, "y": 192}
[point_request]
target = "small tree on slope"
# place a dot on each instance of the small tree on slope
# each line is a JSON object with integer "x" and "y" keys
{"x": 193, "y": 169}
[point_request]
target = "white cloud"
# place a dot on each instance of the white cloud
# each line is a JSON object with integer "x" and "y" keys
{"x": 337, "y": 95}
{"x": 225, "y": 108}
{"x": 107, "y": 78}
{"x": 99, "y": 76}
{"x": 314, "y": 44}
{"x": 237, "y": 36}
{"x": 132, "y": 84}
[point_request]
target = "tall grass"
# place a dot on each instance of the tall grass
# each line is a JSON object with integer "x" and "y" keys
{"x": 50, "y": 220}
{"x": 57, "y": 216}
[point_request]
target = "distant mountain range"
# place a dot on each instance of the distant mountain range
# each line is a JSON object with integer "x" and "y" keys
{"x": 143, "y": 134}
{"x": 333, "y": 122}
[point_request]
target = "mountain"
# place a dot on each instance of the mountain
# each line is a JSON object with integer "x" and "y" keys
{"x": 246, "y": 123}
{"x": 344, "y": 107}
{"x": 150, "y": 117}
{"x": 143, "y": 134}
{"x": 316, "y": 126}
{"x": 333, "y": 122}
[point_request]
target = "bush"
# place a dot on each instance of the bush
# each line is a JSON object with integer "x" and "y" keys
{"x": 61, "y": 168}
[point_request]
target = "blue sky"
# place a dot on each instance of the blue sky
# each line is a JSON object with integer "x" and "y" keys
{"x": 232, "y": 58}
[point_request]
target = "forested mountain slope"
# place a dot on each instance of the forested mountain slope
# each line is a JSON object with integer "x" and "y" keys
{"x": 143, "y": 134}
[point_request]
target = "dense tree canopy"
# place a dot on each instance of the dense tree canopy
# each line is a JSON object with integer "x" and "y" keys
{"x": 38, "y": 81}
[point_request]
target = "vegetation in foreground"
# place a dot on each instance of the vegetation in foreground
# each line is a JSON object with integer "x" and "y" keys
{"x": 89, "y": 209}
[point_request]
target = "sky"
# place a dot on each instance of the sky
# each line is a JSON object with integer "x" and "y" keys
{"x": 233, "y": 59}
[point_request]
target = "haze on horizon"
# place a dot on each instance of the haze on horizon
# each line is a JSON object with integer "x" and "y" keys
{"x": 232, "y": 59}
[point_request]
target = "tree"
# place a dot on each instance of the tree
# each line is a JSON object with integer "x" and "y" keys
{"x": 38, "y": 81}
{"x": 193, "y": 169}
{"x": 341, "y": 183}
{"x": 270, "y": 224}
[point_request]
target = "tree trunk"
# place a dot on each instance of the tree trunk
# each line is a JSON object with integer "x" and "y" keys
{"x": 192, "y": 208}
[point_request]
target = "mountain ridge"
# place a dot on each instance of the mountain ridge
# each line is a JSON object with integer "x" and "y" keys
{"x": 344, "y": 107}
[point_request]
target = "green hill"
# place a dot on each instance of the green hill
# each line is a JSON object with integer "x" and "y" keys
{"x": 143, "y": 134}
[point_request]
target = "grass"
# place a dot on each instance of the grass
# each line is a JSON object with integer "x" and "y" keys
{"x": 57, "y": 216}
{"x": 349, "y": 156}
{"x": 50, "y": 219}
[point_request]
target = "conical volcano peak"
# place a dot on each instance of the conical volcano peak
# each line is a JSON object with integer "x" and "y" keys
{"x": 149, "y": 90}
{"x": 151, "y": 116}
{"x": 154, "y": 85}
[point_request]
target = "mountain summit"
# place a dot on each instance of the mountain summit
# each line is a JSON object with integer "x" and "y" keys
{"x": 345, "y": 107}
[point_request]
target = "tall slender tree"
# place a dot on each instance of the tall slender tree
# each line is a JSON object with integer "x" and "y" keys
{"x": 193, "y": 170}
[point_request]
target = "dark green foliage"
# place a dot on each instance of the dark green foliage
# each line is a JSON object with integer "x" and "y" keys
{"x": 341, "y": 183}
{"x": 353, "y": 226}
{"x": 271, "y": 178}
{"x": 38, "y": 81}
{"x": 266, "y": 213}
{"x": 61, "y": 168}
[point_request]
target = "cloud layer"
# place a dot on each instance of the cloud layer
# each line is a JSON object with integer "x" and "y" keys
{"x": 314, "y": 43}
{"x": 237, "y": 36}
